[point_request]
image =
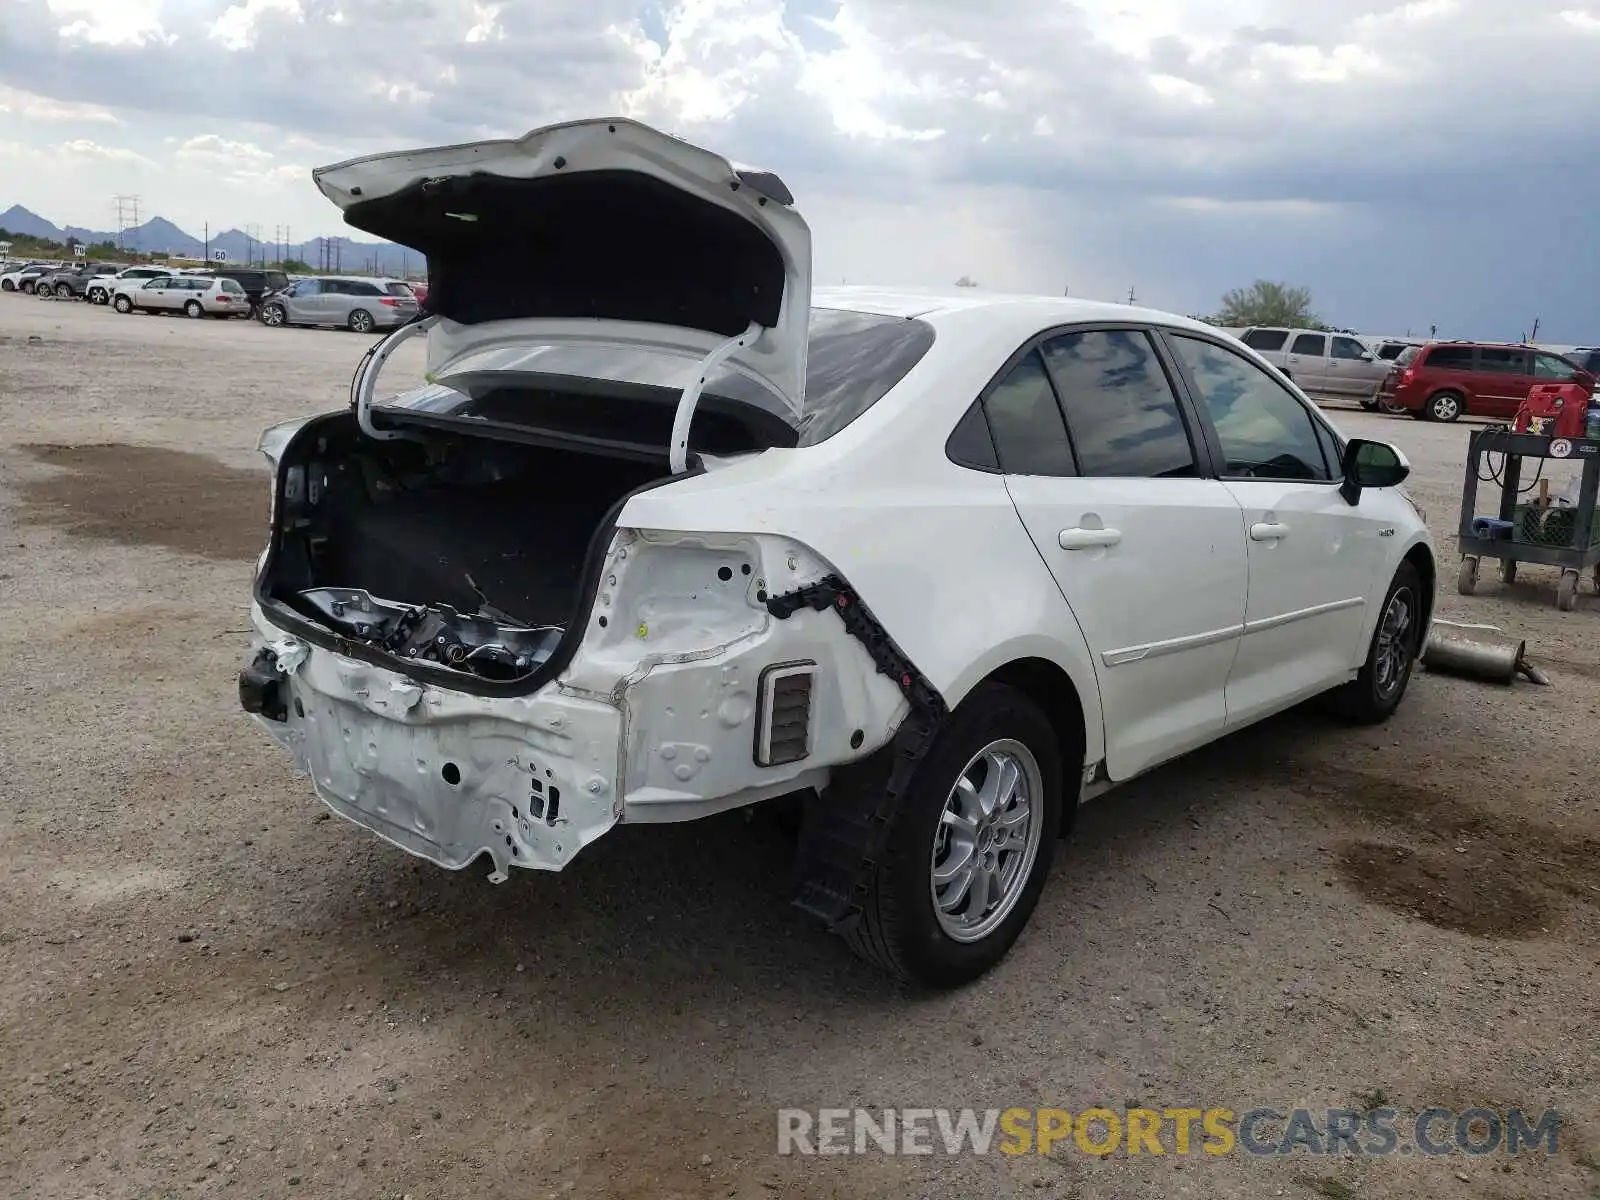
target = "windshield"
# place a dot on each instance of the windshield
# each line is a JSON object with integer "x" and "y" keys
{"x": 853, "y": 359}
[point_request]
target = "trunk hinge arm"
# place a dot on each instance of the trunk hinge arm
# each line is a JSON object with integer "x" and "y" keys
{"x": 691, "y": 394}
{"x": 367, "y": 376}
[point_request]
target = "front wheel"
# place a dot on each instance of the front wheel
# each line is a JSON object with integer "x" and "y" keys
{"x": 274, "y": 315}
{"x": 7, "y": 286}
{"x": 95, "y": 296}
{"x": 45, "y": 292}
{"x": 122, "y": 304}
{"x": 968, "y": 853}
{"x": 1373, "y": 695}
{"x": 1370, "y": 404}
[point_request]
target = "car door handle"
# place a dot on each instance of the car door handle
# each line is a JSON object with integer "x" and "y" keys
{"x": 1078, "y": 538}
{"x": 1268, "y": 531}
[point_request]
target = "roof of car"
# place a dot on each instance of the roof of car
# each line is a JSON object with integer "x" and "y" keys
{"x": 1026, "y": 311}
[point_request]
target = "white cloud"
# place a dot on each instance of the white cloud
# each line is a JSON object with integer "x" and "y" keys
{"x": 40, "y": 108}
{"x": 236, "y": 28}
{"x": 110, "y": 22}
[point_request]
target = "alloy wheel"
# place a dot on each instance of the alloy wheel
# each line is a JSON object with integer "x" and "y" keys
{"x": 987, "y": 840}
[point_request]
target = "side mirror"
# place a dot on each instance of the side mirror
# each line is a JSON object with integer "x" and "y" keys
{"x": 1368, "y": 357}
{"x": 1371, "y": 464}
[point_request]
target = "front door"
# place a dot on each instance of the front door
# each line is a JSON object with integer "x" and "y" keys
{"x": 1306, "y": 361}
{"x": 156, "y": 293}
{"x": 1352, "y": 369}
{"x": 1312, "y": 555}
{"x": 1148, "y": 553}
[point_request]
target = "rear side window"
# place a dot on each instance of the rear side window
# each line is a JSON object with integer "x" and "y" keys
{"x": 401, "y": 290}
{"x": 1450, "y": 358}
{"x": 228, "y": 285}
{"x": 1266, "y": 339}
{"x": 1312, "y": 344}
{"x": 1025, "y": 420}
{"x": 1502, "y": 361}
{"x": 1121, "y": 411}
{"x": 1265, "y": 432}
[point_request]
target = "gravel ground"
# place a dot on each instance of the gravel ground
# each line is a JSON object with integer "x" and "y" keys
{"x": 208, "y": 987}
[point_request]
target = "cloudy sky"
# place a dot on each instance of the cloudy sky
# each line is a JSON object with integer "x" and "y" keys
{"x": 1434, "y": 162}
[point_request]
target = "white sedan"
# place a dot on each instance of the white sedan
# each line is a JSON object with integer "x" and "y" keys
{"x": 667, "y": 534}
{"x": 193, "y": 295}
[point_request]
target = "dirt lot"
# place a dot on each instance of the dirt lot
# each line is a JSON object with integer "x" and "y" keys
{"x": 207, "y": 987}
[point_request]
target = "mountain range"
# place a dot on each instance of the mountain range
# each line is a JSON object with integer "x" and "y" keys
{"x": 158, "y": 234}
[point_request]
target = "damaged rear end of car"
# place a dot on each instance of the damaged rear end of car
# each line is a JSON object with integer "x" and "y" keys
{"x": 462, "y": 638}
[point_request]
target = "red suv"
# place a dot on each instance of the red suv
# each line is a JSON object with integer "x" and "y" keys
{"x": 1442, "y": 380}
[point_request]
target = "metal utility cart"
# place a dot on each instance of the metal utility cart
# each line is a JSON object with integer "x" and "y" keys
{"x": 1526, "y": 530}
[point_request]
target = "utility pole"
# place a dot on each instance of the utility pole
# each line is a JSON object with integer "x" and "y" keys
{"x": 127, "y": 216}
{"x": 1130, "y": 293}
{"x": 1534, "y": 336}
{"x": 208, "y": 240}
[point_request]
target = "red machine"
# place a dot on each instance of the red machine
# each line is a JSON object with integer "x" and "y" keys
{"x": 1555, "y": 410}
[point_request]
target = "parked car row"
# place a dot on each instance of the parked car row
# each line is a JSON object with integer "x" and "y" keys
{"x": 361, "y": 304}
{"x": 1444, "y": 381}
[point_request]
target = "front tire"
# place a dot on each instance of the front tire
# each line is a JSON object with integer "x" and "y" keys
{"x": 7, "y": 286}
{"x": 122, "y": 304}
{"x": 968, "y": 852}
{"x": 274, "y": 316}
{"x": 1373, "y": 695}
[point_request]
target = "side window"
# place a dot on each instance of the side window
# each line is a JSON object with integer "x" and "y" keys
{"x": 1550, "y": 366}
{"x": 159, "y": 281}
{"x": 1348, "y": 347}
{"x": 1266, "y": 339}
{"x": 1450, "y": 358}
{"x": 1502, "y": 361}
{"x": 1312, "y": 344}
{"x": 1120, "y": 408}
{"x": 1029, "y": 435}
{"x": 970, "y": 444}
{"x": 307, "y": 287}
{"x": 1265, "y": 432}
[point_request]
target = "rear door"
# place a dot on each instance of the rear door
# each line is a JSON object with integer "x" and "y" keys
{"x": 1148, "y": 551}
{"x": 1306, "y": 361}
{"x": 1502, "y": 379}
{"x": 1312, "y": 556}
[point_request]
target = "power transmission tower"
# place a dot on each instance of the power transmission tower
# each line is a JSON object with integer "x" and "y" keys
{"x": 127, "y": 215}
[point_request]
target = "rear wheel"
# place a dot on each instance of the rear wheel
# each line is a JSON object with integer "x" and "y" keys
{"x": 1445, "y": 406}
{"x": 1370, "y": 404}
{"x": 122, "y": 304}
{"x": 361, "y": 321}
{"x": 969, "y": 850}
{"x": 1374, "y": 694}
{"x": 28, "y": 286}
{"x": 193, "y": 309}
{"x": 1567, "y": 591}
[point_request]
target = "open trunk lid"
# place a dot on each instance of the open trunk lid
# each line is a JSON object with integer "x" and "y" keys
{"x": 593, "y": 234}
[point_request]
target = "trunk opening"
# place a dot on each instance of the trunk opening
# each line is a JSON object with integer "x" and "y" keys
{"x": 456, "y": 552}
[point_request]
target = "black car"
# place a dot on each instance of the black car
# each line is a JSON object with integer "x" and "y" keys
{"x": 70, "y": 282}
{"x": 1585, "y": 358}
{"x": 256, "y": 282}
